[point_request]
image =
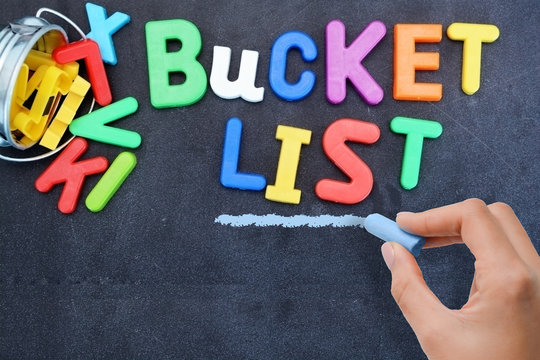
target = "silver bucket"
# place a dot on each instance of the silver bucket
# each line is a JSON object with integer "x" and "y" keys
{"x": 16, "y": 41}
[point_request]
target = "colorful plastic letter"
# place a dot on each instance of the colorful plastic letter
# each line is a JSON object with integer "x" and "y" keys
{"x": 19, "y": 92}
{"x": 416, "y": 130}
{"x": 244, "y": 86}
{"x": 472, "y": 35}
{"x": 111, "y": 181}
{"x": 94, "y": 125}
{"x": 162, "y": 63}
{"x": 407, "y": 61}
{"x": 66, "y": 169}
{"x": 35, "y": 59}
{"x": 32, "y": 122}
{"x": 65, "y": 114}
{"x": 230, "y": 177}
{"x": 278, "y": 65}
{"x": 103, "y": 28}
{"x": 292, "y": 139}
{"x": 344, "y": 63}
{"x": 357, "y": 170}
{"x": 89, "y": 51}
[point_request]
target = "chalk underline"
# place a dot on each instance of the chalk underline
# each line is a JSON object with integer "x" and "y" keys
{"x": 290, "y": 221}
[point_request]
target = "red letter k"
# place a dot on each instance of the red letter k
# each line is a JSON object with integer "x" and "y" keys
{"x": 65, "y": 169}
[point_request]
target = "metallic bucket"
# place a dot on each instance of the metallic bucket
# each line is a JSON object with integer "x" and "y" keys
{"x": 16, "y": 41}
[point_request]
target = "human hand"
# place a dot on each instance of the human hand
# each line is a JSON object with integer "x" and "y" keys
{"x": 501, "y": 319}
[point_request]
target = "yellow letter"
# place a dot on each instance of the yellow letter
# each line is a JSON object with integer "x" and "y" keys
{"x": 472, "y": 35}
{"x": 292, "y": 139}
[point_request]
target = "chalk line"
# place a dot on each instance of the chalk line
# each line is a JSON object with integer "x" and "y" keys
{"x": 290, "y": 221}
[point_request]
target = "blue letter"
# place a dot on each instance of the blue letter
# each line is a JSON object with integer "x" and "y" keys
{"x": 278, "y": 65}
{"x": 103, "y": 28}
{"x": 230, "y": 177}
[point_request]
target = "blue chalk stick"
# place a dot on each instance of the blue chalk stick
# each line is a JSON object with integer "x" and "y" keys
{"x": 388, "y": 230}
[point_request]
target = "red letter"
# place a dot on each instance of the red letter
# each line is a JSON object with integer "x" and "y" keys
{"x": 334, "y": 146}
{"x": 65, "y": 169}
{"x": 89, "y": 51}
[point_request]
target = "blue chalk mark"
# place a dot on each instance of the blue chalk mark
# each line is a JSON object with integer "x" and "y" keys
{"x": 388, "y": 230}
{"x": 290, "y": 221}
{"x": 278, "y": 65}
{"x": 230, "y": 177}
{"x": 102, "y": 29}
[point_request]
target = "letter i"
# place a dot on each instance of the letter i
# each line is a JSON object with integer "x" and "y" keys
{"x": 111, "y": 181}
{"x": 292, "y": 140}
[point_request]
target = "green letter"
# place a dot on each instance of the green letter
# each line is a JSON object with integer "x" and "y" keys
{"x": 416, "y": 130}
{"x": 162, "y": 63}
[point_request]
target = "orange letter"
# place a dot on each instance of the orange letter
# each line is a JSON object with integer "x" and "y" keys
{"x": 407, "y": 61}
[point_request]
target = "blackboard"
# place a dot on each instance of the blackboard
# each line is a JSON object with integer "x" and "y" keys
{"x": 153, "y": 275}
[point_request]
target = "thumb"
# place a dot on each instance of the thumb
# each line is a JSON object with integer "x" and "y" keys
{"x": 419, "y": 305}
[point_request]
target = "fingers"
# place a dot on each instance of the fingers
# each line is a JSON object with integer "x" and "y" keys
{"x": 474, "y": 288}
{"x": 515, "y": 232}
{"x": 419, "y": 305}
{"x": 438, "y": 241}
{"x": 470, "y": 219}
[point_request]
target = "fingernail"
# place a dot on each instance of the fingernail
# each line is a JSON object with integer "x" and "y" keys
{"x": 388, "y": 254}
{"x": 401, "y": 213}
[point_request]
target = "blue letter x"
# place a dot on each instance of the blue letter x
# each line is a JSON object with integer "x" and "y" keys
{"x": 102, "y": 29}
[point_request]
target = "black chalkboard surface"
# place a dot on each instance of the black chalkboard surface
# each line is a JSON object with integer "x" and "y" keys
{"x": 153, "y": 276}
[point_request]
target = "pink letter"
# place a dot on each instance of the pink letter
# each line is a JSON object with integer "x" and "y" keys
{"x": 344, "y": 63}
